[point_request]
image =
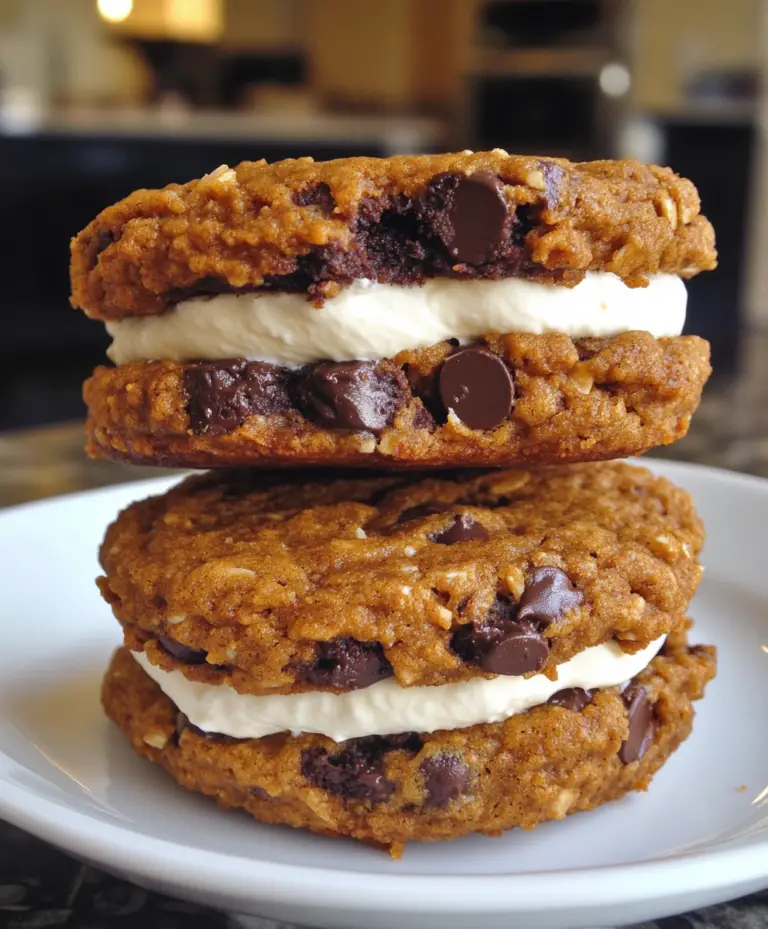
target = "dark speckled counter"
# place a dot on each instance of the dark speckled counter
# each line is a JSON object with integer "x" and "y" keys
{"x": 42, "y": 887}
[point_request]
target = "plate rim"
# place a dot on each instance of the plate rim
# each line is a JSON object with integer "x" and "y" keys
{"x": 258, "y": 878}
{"x": 255, "y": 878}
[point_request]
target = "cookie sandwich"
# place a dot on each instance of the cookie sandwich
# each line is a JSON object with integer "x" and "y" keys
{"x": 471, "y": 309}
{"x": 403, "y": 656}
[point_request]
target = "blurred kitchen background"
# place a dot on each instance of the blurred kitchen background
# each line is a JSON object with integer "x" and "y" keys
{"x": 98, "y": 97}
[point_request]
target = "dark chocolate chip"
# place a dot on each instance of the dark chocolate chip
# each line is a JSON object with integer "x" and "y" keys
{"x": 320, "y": 196}
{"x": 548, "y": 594}
{"x": 501, "y": 644}
{"x": 182, "y": 652}
{"x": 640, "y": 718}
{"x": 462, "y": 529}
{"x": 519, "y": 650}
{"x": 478, "y": 387}
{"x": 222, "y": 395}
{"x": 572, "y": 698}
{"x": 405, "y": 742}
{"x": 351, "y": 395}
{"x": 423, "y": 419}
{"x": 354, "y": 773}
{"x": 422, "y": 510}
{"x": 347, "y": 664}
{"x": 446, "y": 778}
{"x": 105, "y": 239}
{"x": 425, "y": 387}
{"x": 474, "y": 215}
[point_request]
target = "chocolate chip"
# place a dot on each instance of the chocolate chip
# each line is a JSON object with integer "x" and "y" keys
{"x": 501, "y": 644}
{"x": 356, "y": 770}
{"x": 351, "y": 395}
{"x": 347, "y": 664}
{"x": 320, "y": 196}
{"x": 354, "y": 773}
{"x": 640, "y": 717}
{"x": 462, "y": 529}
{"x": 424, "y": 386}
{"x": 182, "y": 652}
{"x": 571, "y": 698}
{"x": 548, "y": 594}
{"x": 473, "y": 218}
{"x": 222, "y": 395}
{"x": 518, "y": 650}
{"x": 477, "y": 386}
{"x": 106, "y": 238}
{"x": 446, "y": 778}
{"x": 423, "y": 419}
{"x": 422, "y": 510}
{"x": 405, "y": 742}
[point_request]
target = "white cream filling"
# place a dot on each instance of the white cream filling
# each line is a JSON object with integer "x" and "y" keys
{"x": 386, "y": 707}
{"x": 368, "y": 321}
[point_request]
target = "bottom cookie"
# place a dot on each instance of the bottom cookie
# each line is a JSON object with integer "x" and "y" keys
{"x": 575, "y": 753}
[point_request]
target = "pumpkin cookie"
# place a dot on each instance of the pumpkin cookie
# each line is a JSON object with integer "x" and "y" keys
{"x": 394, "y": 788}
{"x": 278, "y": 583}
{"x": 312, "y": 227}
{"x": 475, "y": 309}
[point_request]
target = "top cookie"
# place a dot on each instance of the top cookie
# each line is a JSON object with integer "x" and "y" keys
{"x": 300, "y": 225}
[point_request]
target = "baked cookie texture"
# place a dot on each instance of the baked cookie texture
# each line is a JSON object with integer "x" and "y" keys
{"x": 278, "y": 582}
{"x": 529, "y": 399}
{"x": 543, "y": 764}
{"x": 313, "y": 226}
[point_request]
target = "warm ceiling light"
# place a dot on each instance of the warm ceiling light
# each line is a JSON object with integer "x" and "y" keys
{"x": 193, "y": 20}
{"x": 114, "y": 11}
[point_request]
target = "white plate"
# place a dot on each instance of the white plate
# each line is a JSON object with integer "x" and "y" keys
{"x": 699, "y": 836}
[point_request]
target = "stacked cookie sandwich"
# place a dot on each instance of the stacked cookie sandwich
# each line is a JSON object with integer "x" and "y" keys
{"x": 402, "y": 652}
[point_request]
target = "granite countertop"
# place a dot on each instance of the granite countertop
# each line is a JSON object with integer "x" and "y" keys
{"x": 42, "y": 887}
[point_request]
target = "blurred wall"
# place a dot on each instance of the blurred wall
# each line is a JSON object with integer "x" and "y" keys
{"x": 410, "y": 51}
{"x": 59, "y": 49}
{"x": 356, "y": 56}
{"x": 262, "y": 24}
{"x": 676, "y": 38}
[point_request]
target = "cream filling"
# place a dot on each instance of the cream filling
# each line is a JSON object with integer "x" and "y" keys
{"x": 386, "y": 708}
{"x": 368, "y": 321}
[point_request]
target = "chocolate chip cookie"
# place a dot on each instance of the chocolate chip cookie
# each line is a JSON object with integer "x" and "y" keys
{"x": 514, "y": 400}
{"x": 312, "y": 227}
{"x": 471, "y": 309}
{"x": 282, "y": 583}
{"x": 412, "y": 786}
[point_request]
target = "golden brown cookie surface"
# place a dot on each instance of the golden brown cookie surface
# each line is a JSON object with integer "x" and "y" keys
{"x": 280, "y": 582}
{"x": 311, "y": 226}
{"x": 389, "y": 790}
{"x": 520, "y": 399}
